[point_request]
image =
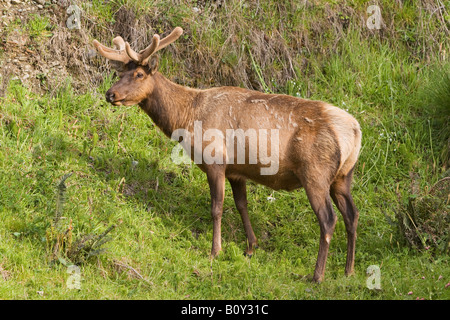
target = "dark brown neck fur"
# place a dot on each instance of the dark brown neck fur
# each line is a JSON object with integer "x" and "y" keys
{"x": 171, "y": 106}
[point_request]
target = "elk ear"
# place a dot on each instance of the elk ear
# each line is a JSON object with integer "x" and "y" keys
{"x": 153, "y": 64}
{"x": 117, "y": 65}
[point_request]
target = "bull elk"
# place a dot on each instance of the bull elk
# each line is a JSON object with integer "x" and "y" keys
{"x": 316, "y": 145}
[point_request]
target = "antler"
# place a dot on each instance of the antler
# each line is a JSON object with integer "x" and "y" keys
{"x": 174, "y": 35}
{"x": 125, "y": 54}
{"x": 143, "y": 56}
{"x": 112, "y": 54}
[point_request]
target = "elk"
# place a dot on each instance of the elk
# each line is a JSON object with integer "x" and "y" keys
{"x": 316, "y": 144}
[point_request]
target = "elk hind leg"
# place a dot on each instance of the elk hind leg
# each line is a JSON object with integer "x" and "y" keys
{"x": 340, "y": 193}
{"x": 319, "y": 198}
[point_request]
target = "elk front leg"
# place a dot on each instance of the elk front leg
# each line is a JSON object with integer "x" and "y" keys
{"x": 216, "y": 180}
{"x": 240, "y": 199}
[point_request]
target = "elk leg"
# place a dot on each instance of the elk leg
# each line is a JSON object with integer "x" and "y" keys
{"x": 340, "y": 192}
{"x": 320, "y": 201}
{"x": 240, "y": 199}
{"x": 216, "y": 180}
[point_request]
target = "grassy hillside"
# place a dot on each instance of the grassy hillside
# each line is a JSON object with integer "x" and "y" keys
{"x": 138, "y": 226}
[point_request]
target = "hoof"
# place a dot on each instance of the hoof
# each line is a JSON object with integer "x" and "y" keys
{"x": 215, "y": 254}
{"x": 350, "y": 273}
{"x": 317, "y": 280}
{"x": 249, "y": 253}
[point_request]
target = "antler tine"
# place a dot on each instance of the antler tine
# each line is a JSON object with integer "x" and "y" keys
{"x": 131, "y": 53}
{"x": 112, "y": 54}
{"x": 174, "y": 35}
{"x": 143, "y": 56}
{"x": 147, "y": 52}
{"x": 119, "y": 43}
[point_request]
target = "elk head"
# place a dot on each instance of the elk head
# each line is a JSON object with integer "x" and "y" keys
{"x": 136, "y": 68}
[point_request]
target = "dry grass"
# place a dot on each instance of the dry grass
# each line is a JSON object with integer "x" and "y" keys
{"x": 4, "y": 273}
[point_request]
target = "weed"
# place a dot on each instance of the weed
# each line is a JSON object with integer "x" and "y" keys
{"x": 39, "y": 26}
{"x": 425, "y": 220}
{"x": 61, "y": 244}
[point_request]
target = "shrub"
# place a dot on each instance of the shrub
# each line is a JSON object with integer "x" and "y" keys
{"x": 425, "y": 221}
{"x": 60, "y": 242}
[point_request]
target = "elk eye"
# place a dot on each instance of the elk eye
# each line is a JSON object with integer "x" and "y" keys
{"x": 139, "y": 75}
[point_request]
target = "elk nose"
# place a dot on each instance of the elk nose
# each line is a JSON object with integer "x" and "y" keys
{"x": 110, "y": 96}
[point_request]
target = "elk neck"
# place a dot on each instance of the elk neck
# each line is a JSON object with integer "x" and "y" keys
{"x": 171, "y": 106}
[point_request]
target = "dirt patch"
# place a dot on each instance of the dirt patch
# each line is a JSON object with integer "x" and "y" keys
{"x": 37, "y": 47}
{"x": 4, "y": 274}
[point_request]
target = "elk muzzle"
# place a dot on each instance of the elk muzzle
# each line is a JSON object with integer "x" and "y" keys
{"x": 112, "y": 97}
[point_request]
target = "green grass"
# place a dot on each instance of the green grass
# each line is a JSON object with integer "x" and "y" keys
{"x": 122, "y": 175}
{"x": 39, "y": 26}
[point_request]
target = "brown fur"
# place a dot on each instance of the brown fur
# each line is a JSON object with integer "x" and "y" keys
{"x": 318, "y": 146}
